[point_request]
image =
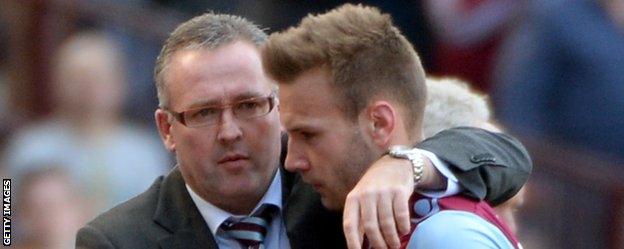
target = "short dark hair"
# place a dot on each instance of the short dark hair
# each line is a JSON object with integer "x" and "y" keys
{"x": 207, "y": 31}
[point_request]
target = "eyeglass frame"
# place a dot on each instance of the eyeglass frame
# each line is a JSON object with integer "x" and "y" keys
{"x": 179, "y": 116}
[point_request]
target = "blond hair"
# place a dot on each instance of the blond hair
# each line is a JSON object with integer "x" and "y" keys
{"x": 365, "y": 53}
{"x": 451, "y": 103}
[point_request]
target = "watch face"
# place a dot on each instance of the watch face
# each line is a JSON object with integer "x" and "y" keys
{"x": 399, "y": 147}
{"x": 399, "y": 150}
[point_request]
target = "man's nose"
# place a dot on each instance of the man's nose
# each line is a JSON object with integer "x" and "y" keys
{"x": 295, "y": 160}
{"x": 229, "y": 129}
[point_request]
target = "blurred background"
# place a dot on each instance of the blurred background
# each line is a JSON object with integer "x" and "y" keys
{"x": 77, "y": 99}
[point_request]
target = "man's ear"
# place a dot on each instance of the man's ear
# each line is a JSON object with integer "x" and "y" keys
{"x": 164, "y": 129}
{"x": 381, "y": 119}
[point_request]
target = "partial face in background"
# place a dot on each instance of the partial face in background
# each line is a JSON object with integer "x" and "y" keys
{"x": 329, "y": 150}
{"x": 232, "y": 160}
{"x": 51, "y": 210}
{"x": 89, "y": 80}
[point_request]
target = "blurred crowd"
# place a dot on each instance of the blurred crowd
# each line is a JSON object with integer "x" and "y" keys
{"x": 77, "y": 136}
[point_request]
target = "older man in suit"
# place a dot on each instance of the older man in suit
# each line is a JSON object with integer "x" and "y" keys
{"x": 218, "y": 115}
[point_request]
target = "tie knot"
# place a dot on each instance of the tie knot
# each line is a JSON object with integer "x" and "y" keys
{"x": 250, "y": 231}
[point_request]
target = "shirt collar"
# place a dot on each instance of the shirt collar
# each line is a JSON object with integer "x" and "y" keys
{"x": 214, "y": 216}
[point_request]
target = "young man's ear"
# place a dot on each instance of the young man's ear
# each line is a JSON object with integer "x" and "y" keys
{"x": 164, "y": 129}
{"x": 381, "y": 119}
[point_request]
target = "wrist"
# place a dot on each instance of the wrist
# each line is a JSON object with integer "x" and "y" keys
{"x": 402, "y": 166}
{"x": 415, "y": 159}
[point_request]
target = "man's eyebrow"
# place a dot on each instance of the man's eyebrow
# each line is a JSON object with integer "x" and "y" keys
{"x": 202, "y": 103}
{"x": 299, "y": 127}
{"x": 248, "y": 95}
{"x": 216, "y": 102}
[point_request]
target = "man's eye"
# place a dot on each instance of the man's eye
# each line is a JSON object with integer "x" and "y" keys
{"x": 307, "y": 135}
{"x": 206, "y": 112}
{"x": 248, "y": 105}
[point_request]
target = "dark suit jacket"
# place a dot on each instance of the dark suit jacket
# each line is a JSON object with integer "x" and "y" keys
{"x": 487, "y": 165}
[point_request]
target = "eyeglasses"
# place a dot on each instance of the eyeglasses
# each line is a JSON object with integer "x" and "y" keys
{"x": 244, "y": 109}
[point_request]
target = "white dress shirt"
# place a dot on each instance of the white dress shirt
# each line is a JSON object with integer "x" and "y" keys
{"x": 276, "y": 234}
{"x": 452, "y": 185}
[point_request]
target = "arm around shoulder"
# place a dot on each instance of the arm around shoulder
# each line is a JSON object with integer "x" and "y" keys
{"x": 488, "y": 165}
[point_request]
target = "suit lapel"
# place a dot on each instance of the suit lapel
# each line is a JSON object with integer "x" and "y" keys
{"x": 181, "y": 240}
{"x": 176, "y": 212}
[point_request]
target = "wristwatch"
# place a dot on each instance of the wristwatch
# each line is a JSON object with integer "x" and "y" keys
{"x": 412, "y": 155}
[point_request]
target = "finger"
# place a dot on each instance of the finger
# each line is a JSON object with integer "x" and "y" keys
{"x": 401, "y": 212}
{"x": 386, "y": 220}
{"x": 368, "y": 209}
{"x": 350, "y": 223}
{"x": 363, "y": 240}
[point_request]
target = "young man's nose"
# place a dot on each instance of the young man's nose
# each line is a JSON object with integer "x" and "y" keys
{"x": 295, "y": 160}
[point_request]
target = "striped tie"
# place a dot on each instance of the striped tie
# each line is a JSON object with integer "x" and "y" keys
{"x": 251, "y": 230}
